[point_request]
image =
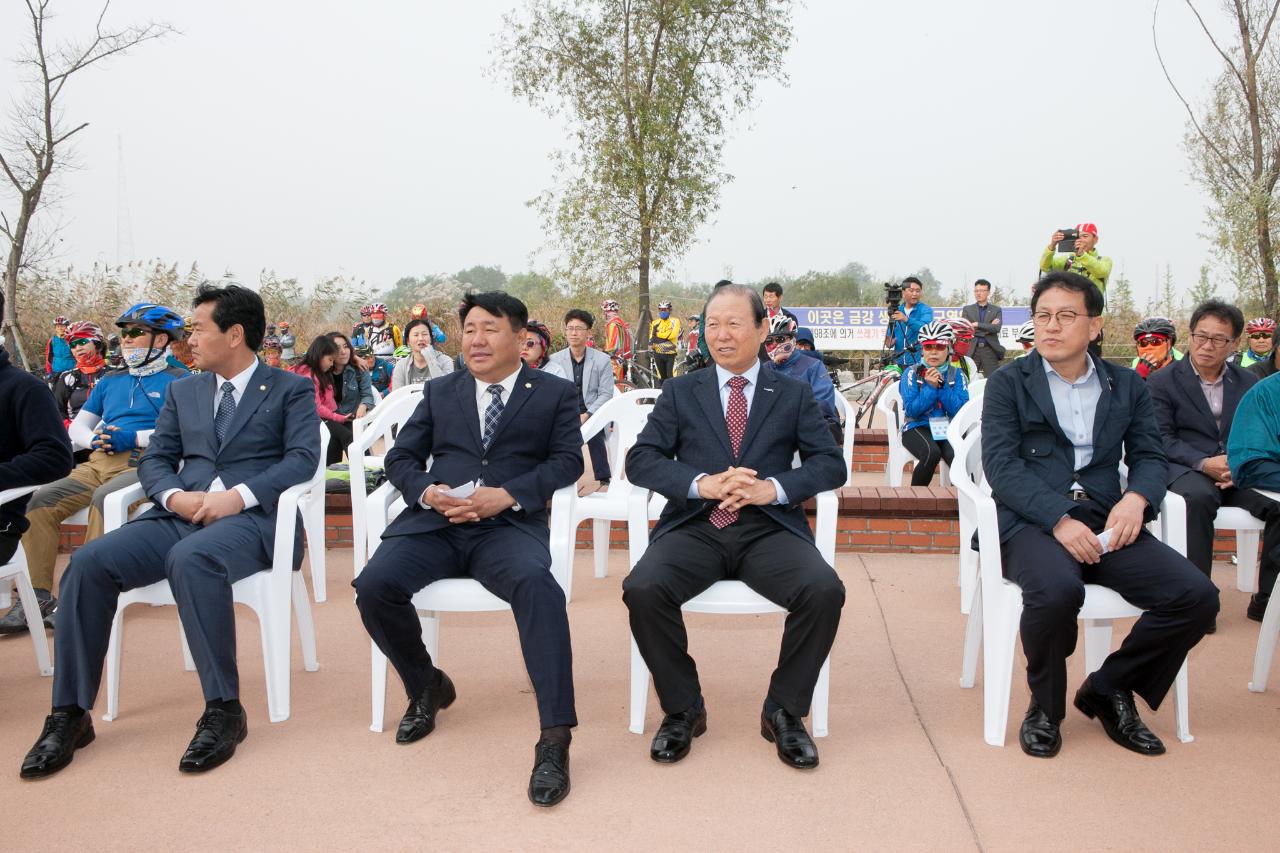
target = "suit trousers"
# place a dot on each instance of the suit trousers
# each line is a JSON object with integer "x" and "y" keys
{"x": 985, "y": 358}
{"x": 1180, "y": 604}
{"x": 200, "y": 564}
{"x": 1203, "y": 500}
{"x": 767, "y": 557}
{"x": 508, "y": 563}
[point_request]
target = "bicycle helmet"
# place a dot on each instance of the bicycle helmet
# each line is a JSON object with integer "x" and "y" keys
{"x": 283, "y": 325}
{"x": 664, "y": 305}
{"x": 418, "y": 312}
{"x": 366, "y": 310}
{"x": 1156, "y": 326}
{"x": 781, "y": 325}
{"x": 963, "y": 328}
{"x": 377, "y": 308}
{"x": 85, "y": 330}
{"x": 63, "y": 321}
{"x": 1257, "y": 324}
{"x": 544, "y": 335}
{"x": 610, "y": 305}
{"x": 936, "y": 331}
{"x": 155, "y": 317}
{"x": 1026, "y": 333}
{"x": 401, "y": 351}
{"x": 270, "y": 342}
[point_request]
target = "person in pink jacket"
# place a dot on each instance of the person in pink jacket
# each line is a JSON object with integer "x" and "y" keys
{"x": 317, "y": 365}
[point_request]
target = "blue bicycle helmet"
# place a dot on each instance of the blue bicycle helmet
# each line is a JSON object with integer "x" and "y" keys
{"x": 155, "y": 317}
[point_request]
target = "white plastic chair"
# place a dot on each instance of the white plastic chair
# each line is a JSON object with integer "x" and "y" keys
{"x": 379, "y": 424}
{"x": 997, "y": 608}
{"x": 1269, "y": 633}
{"x": 1248, "y": 529}
{"x": 845, "y": 411}
{"x": 890, "y": 407}
{"x": 272, "y": 595}
{"x": 735, "y": 597}
{"x": 456, "y": 595}
{"x": 627, "y": 412}
{"x": 968, "y": 418}
{"x": 15, "y": 572}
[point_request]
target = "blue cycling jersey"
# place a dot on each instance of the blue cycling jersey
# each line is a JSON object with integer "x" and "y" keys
{"x": 131, "y": 402}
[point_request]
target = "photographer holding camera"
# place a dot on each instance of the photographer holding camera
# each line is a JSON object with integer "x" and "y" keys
{"x": 1083, "y": 257}
{"x": 905, "y": 321}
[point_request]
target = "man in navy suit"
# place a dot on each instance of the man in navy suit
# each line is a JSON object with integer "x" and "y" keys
{"x": 226, "y": 444}
{"x": 515, "y": 430}
{"x": 719, "y": 446}
{"x": 1054, "y": 427}
{"x": 1196, "y": 400}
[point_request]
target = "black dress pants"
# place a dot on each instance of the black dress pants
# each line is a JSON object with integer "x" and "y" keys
{"x": 985, "y": 358}
{"x": 1203, "y": 500}
{"x": 1180, "y": 604}
{"x": 771, "y": 560}
{"x": 506, "y": 561}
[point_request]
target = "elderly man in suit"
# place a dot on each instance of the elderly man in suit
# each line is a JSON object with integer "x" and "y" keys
{"x": 1195, "y": 402}
{"x": 592, "y": 372}
{"x": 515, "y": 430}
{"x": 226, "y": 444}
{"x": 987, "y": 319}
{"x": 719, "y": 446}
{"x": 1055, "y": 425}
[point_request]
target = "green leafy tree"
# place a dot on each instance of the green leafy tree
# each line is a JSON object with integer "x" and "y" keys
{"x": 1204, "y": 289}
{"x": 483, "y": 278}
{"x": 647, "y": 88}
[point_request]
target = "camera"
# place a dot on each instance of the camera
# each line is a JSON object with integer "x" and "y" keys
{"x": 892, "y": 296}
{"x": 1068, "y": 241}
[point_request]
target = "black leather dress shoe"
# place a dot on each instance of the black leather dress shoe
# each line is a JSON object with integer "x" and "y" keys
{"x": 217, "y": 734}
{"x": 1119, "y": 717}
{"x": 788, "y": 734}
{"x": 676, "y": 735}
{"x": 1039, "y": 736}
{"x": 1258, "y": 606}
{"x": 63, "y": 734}
{"x": 419, "y": 719}
{"x": 549, "y": 783}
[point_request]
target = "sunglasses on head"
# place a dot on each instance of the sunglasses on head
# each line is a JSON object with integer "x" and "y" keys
{"x": 134, "y": 332}
{"x": 1152, "y": 341}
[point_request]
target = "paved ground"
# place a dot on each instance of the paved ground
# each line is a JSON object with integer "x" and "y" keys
{"x": 904, "y": 768}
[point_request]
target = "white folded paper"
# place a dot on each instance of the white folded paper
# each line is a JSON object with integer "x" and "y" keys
{"x": 1104, "y": 539}
{"x": 463, "y": 491}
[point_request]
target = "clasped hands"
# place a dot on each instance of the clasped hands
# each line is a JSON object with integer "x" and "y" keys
{"x": 1217, "y": 469}
{"x": 736, "y": 488}
{"x": 206, "y": 507}
{"x": 1124, "y": 522}
{"x": 123, "y": 441}
{"x": 484, "y": 502}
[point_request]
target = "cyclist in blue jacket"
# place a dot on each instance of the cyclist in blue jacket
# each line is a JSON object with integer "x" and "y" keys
{"x": 932, "y": 392}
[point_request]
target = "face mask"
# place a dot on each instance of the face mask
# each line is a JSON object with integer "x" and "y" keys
{"x": 961, "y": 348}
{"x": 664, "y": 314}
{"x": 134, "y": 357}
{"x": 380, "y": 321}
{"x": 780, "y": 352}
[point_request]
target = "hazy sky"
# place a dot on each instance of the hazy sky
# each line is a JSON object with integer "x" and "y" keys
{"x": 324, "y": 137}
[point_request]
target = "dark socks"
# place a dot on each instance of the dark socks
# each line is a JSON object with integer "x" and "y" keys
{"x": 561, "y": 735}
{"x": 770, "y": 706}
{"x": 231, "y": 706}
{"x": 73, "y": 710}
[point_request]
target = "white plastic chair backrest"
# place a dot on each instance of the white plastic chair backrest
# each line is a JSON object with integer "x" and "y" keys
{"x": 889, "y": 405}
{"x": 379, "y": 422}
{"x": 976, "y": 387}
{"x": 963, "y": 433}
{"x": 845, "y": 411}
{"x": 628, "y": 412}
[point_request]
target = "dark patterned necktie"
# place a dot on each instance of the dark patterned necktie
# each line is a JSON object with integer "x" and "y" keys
{"x": 735, "y": 418}
{"x": 492, "y": 413}
{"x": 226, "y": 411}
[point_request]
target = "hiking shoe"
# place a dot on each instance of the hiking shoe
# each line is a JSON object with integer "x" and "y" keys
{"x": 15, "y": 621}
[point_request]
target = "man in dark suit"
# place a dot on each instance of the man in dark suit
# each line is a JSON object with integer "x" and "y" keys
{"x": 515, "y": 430}
{"x": 987, "y": 319}
{"x": 1054, "y": 427}
{"x": 1195, "y": 401}
{"x": 719, "y": 446}
{"x": 226, "y": 444}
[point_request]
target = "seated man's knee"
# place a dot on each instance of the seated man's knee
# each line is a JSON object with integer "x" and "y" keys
{"x": 825, "y": 592}
{"x": 1063, "y": 598}
{"x": 376, "y": 585}
{"x": 640, "y": 591}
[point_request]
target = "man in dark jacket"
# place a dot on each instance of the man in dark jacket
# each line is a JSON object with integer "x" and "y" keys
{"x": 987, "y": 318}
{"x": 1054, "y": 427}
{"x": 34, "y": 448}
{"x": 1196, "y": 400}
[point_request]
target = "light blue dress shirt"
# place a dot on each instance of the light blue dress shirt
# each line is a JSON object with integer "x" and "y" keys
{"x": 1075, "y": 404}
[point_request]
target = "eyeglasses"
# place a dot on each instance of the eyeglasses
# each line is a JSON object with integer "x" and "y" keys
{"x": 1064, "y": 318}
{"x": 1218, "y": 341}
{"x": 134, "y": 332}
{"x": 81, "y": 341}
{"x": 1152, "y": 340}
{"x": 577, "y": 329}
{"x": 1259, "y": 336}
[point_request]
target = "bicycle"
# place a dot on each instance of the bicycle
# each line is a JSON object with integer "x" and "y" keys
{"x": 866, "y": 392}
{"x": 636, "y": 375}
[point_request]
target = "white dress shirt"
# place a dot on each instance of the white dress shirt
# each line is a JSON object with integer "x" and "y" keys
{"x": 751, "y": 374}
{"x": 1075, "y": 404}
{"x": 241, "y": 382}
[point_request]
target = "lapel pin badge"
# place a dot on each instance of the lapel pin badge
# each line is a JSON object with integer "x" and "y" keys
{"x": 262, "y": 387}
{"x": 528, "y": 384}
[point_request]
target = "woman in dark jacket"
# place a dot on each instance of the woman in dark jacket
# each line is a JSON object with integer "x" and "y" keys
{"x": 352, "y": 387}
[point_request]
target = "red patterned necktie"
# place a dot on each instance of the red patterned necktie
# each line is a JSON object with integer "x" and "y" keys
{"x": 735, "y": 418}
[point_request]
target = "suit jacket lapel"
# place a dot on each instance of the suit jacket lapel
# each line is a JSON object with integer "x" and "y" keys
{"x": 761, "y": 402}
{"x": 1105, "y": 393}
{"x": 1038, "y": 388}
{"x": 1185, "y": 376}
{"x": 707, "y": 393}
{"x": 206, "y": 386}
{"x": 254, "y": 393}
{"x": 467, "y": 405}
{"x": 1232, "y": 391}
{"x": 524, "y": 388}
